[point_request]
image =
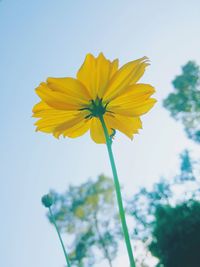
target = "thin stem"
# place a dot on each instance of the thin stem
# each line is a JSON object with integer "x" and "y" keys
{"x": 106, "y": 253}
{"x": 57, "y": 230}
{"x": 118, "y": 193}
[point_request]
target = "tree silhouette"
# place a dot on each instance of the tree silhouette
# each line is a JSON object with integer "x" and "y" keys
{"x": 184, "y": 102}
{"x": 176, "y": 235}
{"x": 175, "y": 195}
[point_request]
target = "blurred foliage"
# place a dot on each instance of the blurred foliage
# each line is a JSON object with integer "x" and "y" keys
{"x": 186, "y": 168}
{"x": 167, "y": 216}
{"x": 184, "y": 102}
{"x": 176, "y": 235}
{"x": 145, "y": 205}
{"x": 87, "y": 214}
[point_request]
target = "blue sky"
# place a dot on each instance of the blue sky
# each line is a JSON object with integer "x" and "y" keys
{"x": 50, "y": 38}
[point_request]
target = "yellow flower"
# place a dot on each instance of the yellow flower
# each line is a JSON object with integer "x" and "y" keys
{"x": 70, "y": 107}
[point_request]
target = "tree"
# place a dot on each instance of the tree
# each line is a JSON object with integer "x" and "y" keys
{"x": 176, "y": 235}
{"x": 144, "y": 205}
{"x": 184, "y": 102}
{"x": 87, "y": 214}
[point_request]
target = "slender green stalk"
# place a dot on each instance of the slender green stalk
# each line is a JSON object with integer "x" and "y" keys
{"x": 57, "y": 230}
{"x": 118, "y": 193}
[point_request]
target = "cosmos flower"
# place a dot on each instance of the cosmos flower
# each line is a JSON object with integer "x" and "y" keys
{"x": 72, "y": 106}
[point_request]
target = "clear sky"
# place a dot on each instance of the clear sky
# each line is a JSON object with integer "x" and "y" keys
{"x": 50, "y": 38}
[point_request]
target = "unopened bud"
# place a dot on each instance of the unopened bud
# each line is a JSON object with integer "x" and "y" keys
{"x": 47, "y": 200}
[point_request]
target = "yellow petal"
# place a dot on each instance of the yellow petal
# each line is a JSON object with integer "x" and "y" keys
{"x": 136, "y": 109}
{"x": 87, "y": 74}
{"x": 53, "y": 118}
{"x": 128, "y": 74}
{"x": 42, "y": 110}
{"x": 133, "y": 93}
{"x": 95, "y": 74}
{"x": 126, "y": 125}
{"x": 68, "y": 124}
{"x": 69, "y": 86}
{"x": 134, "y": 102}
{"x": 55, "y": 113}
{"x": 96, "y": 131}
{"x": 58, "y": 100}
{"x": 103, "y": 71}
{"x": 41, "y": 106}
{"x": 114, "y": 67}
{"x": 78, "y": 129}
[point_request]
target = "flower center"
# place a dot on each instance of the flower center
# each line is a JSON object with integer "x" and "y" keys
{"x": 96, "y": 108}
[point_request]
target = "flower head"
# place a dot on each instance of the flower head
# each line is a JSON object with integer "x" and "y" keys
{"x": 70, "y": 107}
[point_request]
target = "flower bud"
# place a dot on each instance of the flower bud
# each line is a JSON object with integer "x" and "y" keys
{"x": 47, "y": 200}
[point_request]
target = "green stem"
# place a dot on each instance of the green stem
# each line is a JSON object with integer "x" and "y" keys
{"x": 118, "y": 193}
{"x": 57, "y": 230}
